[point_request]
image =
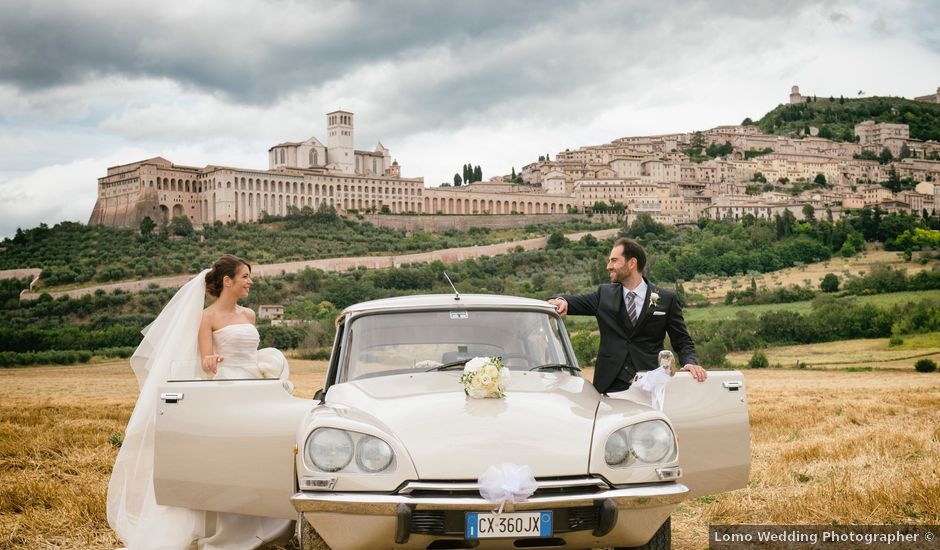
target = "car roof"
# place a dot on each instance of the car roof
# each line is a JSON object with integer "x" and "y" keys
{"x": 426, "y": 302}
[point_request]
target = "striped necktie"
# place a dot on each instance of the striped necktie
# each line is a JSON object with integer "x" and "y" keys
{"x": 631, "y": 306}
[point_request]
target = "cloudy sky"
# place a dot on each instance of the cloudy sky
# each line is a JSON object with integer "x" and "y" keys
{"x": 91, "y": 84}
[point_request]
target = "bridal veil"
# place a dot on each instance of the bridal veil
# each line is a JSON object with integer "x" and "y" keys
{"x": 169, "y": 350}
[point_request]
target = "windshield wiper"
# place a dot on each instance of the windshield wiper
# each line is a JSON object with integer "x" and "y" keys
{"x": 452, "y": 364}
{"x": 557, "y": 366}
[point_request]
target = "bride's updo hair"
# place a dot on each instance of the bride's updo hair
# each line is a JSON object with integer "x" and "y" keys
{"x": 226, "y": 266}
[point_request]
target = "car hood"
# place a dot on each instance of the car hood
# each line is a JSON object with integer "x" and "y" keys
{"x": 545, "y": 421}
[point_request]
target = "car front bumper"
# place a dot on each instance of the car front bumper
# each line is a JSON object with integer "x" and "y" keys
{"x": 619, "y": 516}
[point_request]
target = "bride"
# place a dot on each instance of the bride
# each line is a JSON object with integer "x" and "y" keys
{"x": 189, "y": 342}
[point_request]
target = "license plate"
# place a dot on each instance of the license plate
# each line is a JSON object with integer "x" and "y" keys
{"x": 508, "y": 525}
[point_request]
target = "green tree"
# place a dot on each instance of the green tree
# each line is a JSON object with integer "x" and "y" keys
{"x": 585, "y": 344}
{"x": 457, "y": 180}
{"x": 829, "y": 283}
{"x": 182, "y": 226}
{"x": 894, "y": 180}
{"x": 147, "y": 225}
{"x": 905, "y": 152}
{"x": 712, "y": 353}
{"x": 477, "y": 173}
{"x": 820, "y": 179}
{"x": 555, "y": 241}
{"x": 809, "y": 213}
{"x": 885, "y": 157}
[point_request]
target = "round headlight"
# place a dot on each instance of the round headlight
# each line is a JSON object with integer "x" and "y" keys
{"x": 616, "y": 449}
{"x": 652, "y": 442}
{"x": 373, "y": 454}
{"x": 330, "y": 449}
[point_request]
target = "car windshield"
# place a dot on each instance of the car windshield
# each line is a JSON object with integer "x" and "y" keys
{"x": 393, "y": 343}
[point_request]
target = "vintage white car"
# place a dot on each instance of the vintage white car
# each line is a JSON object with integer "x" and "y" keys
{"x": 389, "y": 453}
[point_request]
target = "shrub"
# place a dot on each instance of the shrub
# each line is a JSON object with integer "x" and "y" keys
{"x": 829, "y": 283}
{"x": 319, "y": 354}
{"x": 758, "y": 360}
{"x": 585, "y": 344}
{"x": 712, "y": 353}
{"x": 925, "y": 365}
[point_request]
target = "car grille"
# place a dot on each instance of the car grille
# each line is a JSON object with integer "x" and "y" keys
{"x": 451, "y": 522}
{"x": 470, "y": 489}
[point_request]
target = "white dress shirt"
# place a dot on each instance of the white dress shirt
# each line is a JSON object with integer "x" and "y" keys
{"x": 640, "y": 291}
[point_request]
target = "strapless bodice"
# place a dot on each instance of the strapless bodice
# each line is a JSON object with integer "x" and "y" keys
{"x": 238, "y": 344}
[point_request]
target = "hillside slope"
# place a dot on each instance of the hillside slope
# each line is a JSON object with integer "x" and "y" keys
{"x": 836, "y": 117}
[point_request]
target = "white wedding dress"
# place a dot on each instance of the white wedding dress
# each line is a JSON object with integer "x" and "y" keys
{"x": 169, "y": 351}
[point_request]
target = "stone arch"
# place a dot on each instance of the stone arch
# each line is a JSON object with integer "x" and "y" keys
{"x": 164, "y": 213}
{"x": 177, "y": 210}
{"x": 313, "y": 157}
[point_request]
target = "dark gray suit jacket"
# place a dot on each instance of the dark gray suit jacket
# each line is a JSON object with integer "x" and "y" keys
{"x": 625, "y": 346}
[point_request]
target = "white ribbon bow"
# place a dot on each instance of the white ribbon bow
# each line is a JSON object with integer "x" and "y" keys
{"x": 507, "y": 483}
{"x": 654, "y": 382}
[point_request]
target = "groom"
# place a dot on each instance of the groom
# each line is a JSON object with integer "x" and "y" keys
{"x": 634, "y": 318}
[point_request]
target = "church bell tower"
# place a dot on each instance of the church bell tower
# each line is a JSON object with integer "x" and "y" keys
{"x": 339, "y": 141}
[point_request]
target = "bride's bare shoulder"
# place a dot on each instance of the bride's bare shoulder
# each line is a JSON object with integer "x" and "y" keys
{"x": 248, "y": 312}
{"x": 210, "y": 316}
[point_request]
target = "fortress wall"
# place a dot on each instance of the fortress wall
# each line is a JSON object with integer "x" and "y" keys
{"x": 464, "y": 222}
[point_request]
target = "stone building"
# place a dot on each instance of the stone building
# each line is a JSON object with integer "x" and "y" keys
{"x": 645, "y": 174}
{"x": 304, "y": 174}
{"x": 930, "y": 98}
{"x": 795, "y": 96}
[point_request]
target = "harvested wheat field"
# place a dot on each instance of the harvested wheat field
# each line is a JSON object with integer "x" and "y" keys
{"x": 866, "y": 353}
{"x": 828, "y": 446}
{"x": 809, "y": 275}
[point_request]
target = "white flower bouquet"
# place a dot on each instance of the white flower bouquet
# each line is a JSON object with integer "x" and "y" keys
{"x": 485, "y": 378}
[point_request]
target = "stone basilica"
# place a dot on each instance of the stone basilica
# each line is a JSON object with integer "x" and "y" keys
{"x": 299, "y": 174}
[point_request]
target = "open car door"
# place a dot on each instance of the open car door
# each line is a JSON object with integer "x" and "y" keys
{"x": 711, "y": 424}
{"x": 227, "y": 446}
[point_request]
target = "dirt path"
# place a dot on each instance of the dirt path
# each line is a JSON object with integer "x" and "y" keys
{"x": 447, "y": 256}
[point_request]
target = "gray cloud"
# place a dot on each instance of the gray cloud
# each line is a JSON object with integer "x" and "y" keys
{"x": 254, "y": 51}
{"x": 259, "y": 51}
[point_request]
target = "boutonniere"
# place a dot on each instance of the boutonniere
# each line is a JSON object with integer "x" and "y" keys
{"x": 654, "y": 299}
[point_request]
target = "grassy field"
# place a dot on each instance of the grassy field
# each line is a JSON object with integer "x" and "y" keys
{"x": 723, "y": 312}
{"x": 715, "y": 289}
{"x": 827, "y": 446}
{"x": 872, "y": 353}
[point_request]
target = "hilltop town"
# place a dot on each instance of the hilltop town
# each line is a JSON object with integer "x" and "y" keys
{"x": 724, "y": 172}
